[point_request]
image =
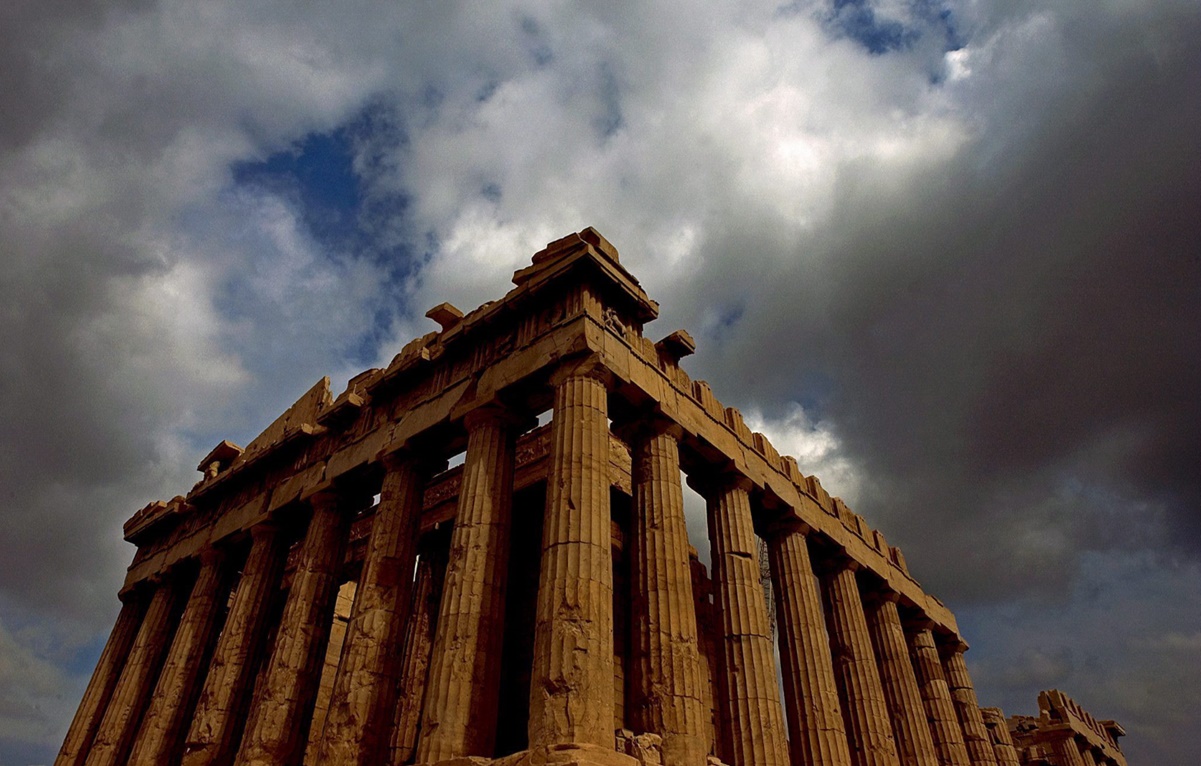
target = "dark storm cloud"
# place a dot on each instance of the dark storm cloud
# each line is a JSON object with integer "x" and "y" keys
{"x": 1015, "y": 344}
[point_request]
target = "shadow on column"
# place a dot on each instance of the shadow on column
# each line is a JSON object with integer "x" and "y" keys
{"x": 529, "y": 506}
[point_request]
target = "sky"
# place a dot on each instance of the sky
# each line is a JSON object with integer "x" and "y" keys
{"x": 946, "y": 253}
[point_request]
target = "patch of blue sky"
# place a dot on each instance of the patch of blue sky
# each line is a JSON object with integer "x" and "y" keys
{"x": 860, "y": 20}
{"x": 729, "y": 316}
{"x": 719, "y": 322}
{"x": 814, "y": 390}
{"x": 857, "y": 20}
{"x": 319, "y": 173}
{"x": 487, "y": 90}
{"x": 323, "y": 176}
{"x": 367, "y": 345}
{"x": 83, "y": 660}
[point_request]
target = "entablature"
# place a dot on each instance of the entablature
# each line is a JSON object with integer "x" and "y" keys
{"x": 576, "y": 299}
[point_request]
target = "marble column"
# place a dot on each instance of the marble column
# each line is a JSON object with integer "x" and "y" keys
{"x": 464, "y": 677}
{"x": 275, "y": 733}
{"x": 132, "y": 693}
{"x": 1086, "y": 753}
{"x": 571, "y": 686}
{"x": 427, "y": 595}
{"x": 816, "y": 732}
{"x": 225, "y": 698}
{"x": 936, "y": 697}
{"x": 164, "y": 724}
{"x": 100, "y": 689}
{"x": 967, "y": 707}
{"x": 752, "y": 718}
{"x": 910, "y": 728}
{"x": 869, "y": 731}
{"x": 668, "y": 683}
{"x": 363, "y": 701}
{"x": 1066, "y": 751}
{"x": 1002, "y": 741}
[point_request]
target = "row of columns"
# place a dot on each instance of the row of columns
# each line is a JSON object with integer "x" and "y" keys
{"x": 859, "y": 688}
{"x": 1071, "y": 750}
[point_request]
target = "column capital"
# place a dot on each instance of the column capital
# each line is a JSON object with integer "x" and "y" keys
{"x": 405, "y": 455}
{"x": 590, "y": 366}
{"x": 395, "y": 459}
{"x": 836, "y": 562}
{"x": 137, "y": 594}
{"x": 720, "y": 480}
{"x": 788, "y": 525}
{"x": 499, "y": 414}
{"x": 737, "y": 481}
{"x": 646, "y": 425}
{"x": 326, "y": 499}
{"x": 212, "y": 556}
{"x": 880, "y": 595}
{"x": 162, "y": 577}
{"x": 955, "y": 646}
{"x": 917, "y": 623}
{"x": 264, "y": 529}
{"x": 950, "y": 646}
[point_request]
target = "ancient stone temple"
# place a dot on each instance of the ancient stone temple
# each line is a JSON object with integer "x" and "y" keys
{"x": 1064, "y": 734}
{"x": 335, "y": 594}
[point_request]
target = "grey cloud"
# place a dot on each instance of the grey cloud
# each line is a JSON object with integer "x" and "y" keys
{"x": 1009, "y": 330}
{"x": 983, "y": 287}
{"x": 1139, "y": 664}
{"x": 112, "y": 349}
{"x": 115, "y": 366}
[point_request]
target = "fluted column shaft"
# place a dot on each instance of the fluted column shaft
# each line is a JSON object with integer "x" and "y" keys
{"x": 1087, "y": 755}
{"x": 817, "y": 733}
{"x": 275, "y": 732}
{"x": 752, "y": 718}
{"x": 915, "y": 745}
{"x": 1067, "y": 752}
{"x": 364, "y": 693}
{"x": 869, "y": 732}
{"x": 571, "y": 686}
{"x": 668, "y": 678}
{"x": 464, "y": 679}
{"x": 225, "y": 697}
{"x": 427, "y": 595}
{"x": 100, "y": 689}
{"x": 163, "y": 726}
{"x": 1002, "y": 741}
{"x": 967, "y": 708}
{"x": 132, "y": 693}
{"x": 936, "y": 696}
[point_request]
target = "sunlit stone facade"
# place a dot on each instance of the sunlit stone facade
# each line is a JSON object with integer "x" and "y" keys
{"x": 334, "y": 594}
